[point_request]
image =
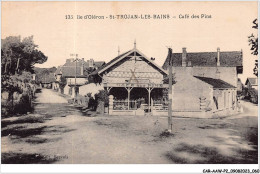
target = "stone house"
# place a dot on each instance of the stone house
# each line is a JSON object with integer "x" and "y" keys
{"x": 206, "y": 82}
{"x": 252, "y": 83}
{"x": 76, "y": 74}
{"x": 48, "y": 80}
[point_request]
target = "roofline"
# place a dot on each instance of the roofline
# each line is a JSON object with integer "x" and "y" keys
{"x": 207, "y": 52}
{"x": 123, "y": 56}
{"x": 77, "y": 76}
{"x": 226, "y": 88}
{"x": 212, "y": 85}
{"x": 152, "y": 62}
{"x": 247, "y": 80}
{"x": 166, "y": 63}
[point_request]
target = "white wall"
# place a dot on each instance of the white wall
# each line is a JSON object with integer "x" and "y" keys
{"x": 188, "y": 90}
{"x": 79, "y": 81}
{"x": 66, "y": 89}
{"x": 90, "y": 88}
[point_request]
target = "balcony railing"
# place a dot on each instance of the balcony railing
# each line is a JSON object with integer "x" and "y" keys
{"x": 77, "y": 83}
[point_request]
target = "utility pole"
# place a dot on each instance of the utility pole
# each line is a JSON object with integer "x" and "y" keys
{"x": 75, "y": 85}
{"x": 170, "y": 91}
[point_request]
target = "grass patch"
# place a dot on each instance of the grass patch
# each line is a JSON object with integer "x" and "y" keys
{"x": 166, "y": 134}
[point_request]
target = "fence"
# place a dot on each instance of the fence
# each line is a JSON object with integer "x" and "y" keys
{"x": 139, "y": 103}
{"x": 123, "y": 104}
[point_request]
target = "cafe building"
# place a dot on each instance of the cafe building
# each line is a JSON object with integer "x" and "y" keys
{"x": 135, "y": 84}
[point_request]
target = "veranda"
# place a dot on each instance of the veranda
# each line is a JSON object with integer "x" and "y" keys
{"x": 137, "y": 99}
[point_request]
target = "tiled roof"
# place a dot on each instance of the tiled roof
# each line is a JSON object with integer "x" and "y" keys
{"x": 253, "y": 81}
{"x": 68, "y": 69}
{"x": 48, "y": 78}
{"x": 109, "y": 63}
{"x": 70, "y": 62}
{"x": 58, "y": 71}
{"x": 208, "y": 59}
{"x": 125, "y": 55}
{"x": 99, "y": 63}
{"x": 216, "y": 83}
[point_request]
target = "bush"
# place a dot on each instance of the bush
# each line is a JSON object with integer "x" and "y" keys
{"x": 253, "y": 95}
{"x": 102, "y": 96}
{"x": 12, "y": 105}
{"x": 92, "y": 103}
{"x": 24, "y": 105}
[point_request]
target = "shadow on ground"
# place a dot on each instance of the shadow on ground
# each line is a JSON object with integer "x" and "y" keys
{"x": 56, "y": 109}
{"x": 209, "y": 155}
{"x": 25, "y": 158}
{"x": 20, "y": 120}
{"x": 241, "y": 131}
{"x": 21, "y": 132}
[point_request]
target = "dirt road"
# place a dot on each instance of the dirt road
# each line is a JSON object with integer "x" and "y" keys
{"x": 56, "y": 132}
{"x": 49, "y": 96}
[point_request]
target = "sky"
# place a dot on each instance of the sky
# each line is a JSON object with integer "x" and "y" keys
{"x": 228, "y": 28}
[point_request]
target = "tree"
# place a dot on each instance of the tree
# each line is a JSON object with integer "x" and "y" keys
{"x": 166, "y": 80}
{"x": 93, "y": 78}
{"x": 19, "y": 55}
{"x": 253, "y": 41}
{"x": 42, "y": 73}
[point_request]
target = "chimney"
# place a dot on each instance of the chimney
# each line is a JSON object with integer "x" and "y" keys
{"x": 82, "y": 67}
{"x": 184, "y": 57}
{"x": 218, "y": 56}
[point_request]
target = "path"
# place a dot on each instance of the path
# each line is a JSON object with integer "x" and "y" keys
{"x": 59, "y": 133}
{"x": 49, "y": 96}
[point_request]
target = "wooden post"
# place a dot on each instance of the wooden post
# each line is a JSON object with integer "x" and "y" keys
{"x": 151, "y": 105}
{"x": 128, "y": 104}
{"x": 111, "y": 104}
{"x": 149, "y": 97}
{"x": 75, "y": 94}
{"x": 75, "y": 79}
{"x": 170, "y": 92}
{"x": 108, "y": 89}
{"x": 128, "y": 98}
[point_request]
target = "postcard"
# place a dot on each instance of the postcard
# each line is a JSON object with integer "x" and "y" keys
{"x": 130, "y": 83}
